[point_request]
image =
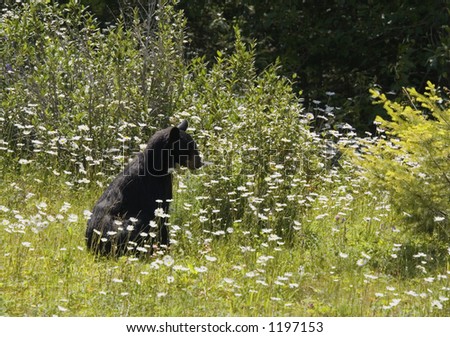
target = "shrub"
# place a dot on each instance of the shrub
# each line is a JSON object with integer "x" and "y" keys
{"x": 255, "y": 132}
{"x": 411, "y": 158}
{"x": 74, "y": 95}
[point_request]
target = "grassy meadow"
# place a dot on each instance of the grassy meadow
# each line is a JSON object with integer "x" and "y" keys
{"x": 284, "y": 222}
{"x": 347, "y": 258}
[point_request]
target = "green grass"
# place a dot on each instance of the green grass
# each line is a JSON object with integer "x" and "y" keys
{"x": 332, "y": 266}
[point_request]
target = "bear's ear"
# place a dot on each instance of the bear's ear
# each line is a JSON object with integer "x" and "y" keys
{"x": 174, "y": 135}
{"x": 183, "y": 125}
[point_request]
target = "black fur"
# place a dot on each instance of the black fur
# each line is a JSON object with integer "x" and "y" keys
{"x": 123, "y": 219}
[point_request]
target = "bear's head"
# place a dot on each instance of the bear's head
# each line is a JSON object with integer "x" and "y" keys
{"x": 171, "y": 147}
{"x": 184, "y": 149}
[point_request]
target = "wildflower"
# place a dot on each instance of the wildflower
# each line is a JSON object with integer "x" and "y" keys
{"x": 154, "y": 265}
{"x": 83, "y": 127}
{"x": 420, "y": 254}
{"x": 273, "y": 237}
{"x": 262, "y": 216}
{"x": 429, "y": 279}
{"x": 309, "y": 116}
{"x": 142, "y": 249}
{"x": 159, "y": 212}
{"x": 118, "y": 222}
{"x": 250, "y": 274}
{"x": 361, "y": 262}
{"x": 168, "y": 260}
{"x": 321, "y": 216}
{"x": 263, "y": 259}
{"x": 26, "y": 244}
{"x": 379, "y": 295}
{"x": 65, "y": 207}
{"x": 343, "y": 255}
{"x": 170, "y": 279}
{"x": 228, "y": 280}
{"x": 210, "y": 258}
{"x": 370, "y": 277}
{"x": 62, "y": 309}
{"x": 394, "y": 302}
{"x": 87, "y": 214}
{"x": 246, "y": 249}
{"x": 41, "y": 205}
{"x": 301, "y": 270}
{"x": 72, "y": 218}
{"x": 124, "y": 293}
{"x": 161, "y": 294}
{"x": 180, "y": 268}
{"x": 411, "y": 293}
{"x": 117, "y": 280}
{"x": 437, "y": 304}
{"x": 439, "y": 218}
{"x": 201, "y": 269}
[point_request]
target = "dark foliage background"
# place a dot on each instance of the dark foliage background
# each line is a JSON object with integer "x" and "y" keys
{"x": 335, "y": 46}
{"x": 336, "y": 50}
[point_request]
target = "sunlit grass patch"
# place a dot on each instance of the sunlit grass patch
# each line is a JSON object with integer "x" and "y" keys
{"x": 280, "y": 245}
{"x": 47, "y": 270}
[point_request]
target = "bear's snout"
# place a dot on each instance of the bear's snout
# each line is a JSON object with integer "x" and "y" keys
{"x": 195, "y": 162}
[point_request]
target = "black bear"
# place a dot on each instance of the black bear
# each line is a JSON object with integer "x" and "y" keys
{"x": 123, "y": 219}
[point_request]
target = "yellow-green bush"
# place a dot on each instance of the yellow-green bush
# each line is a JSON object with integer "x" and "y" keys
{"x": 411, "y": 158}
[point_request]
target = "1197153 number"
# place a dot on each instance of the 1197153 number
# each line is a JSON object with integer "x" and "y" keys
{"x": 296, "y": 327}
